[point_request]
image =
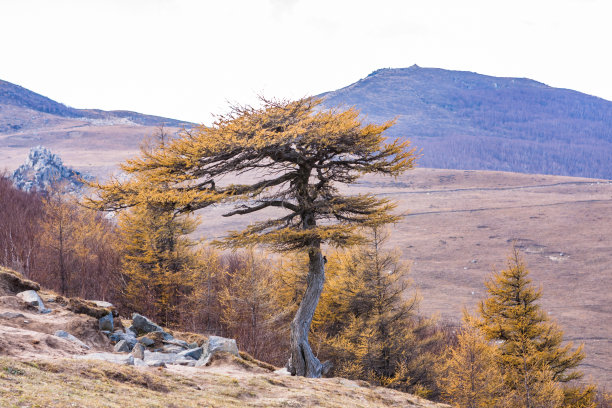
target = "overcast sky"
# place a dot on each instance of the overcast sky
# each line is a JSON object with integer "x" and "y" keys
{"x": 186, "y": 59}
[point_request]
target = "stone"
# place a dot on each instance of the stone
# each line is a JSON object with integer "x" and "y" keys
{"x": 119, "y": 335}
{"x": 186, "y": 362}
{"x": 146, "y": 341}
{"x": 215, "y": 345}
{"x": 170, "y": 348}
{"x": 11, "y": 315}
{"x": 192, "y": 345}
{"x": 194, "y": 353}
{"x": 138, "y": 351}
{"x": 31, "y": 298}
{"x": 142, "y": 325}
{"x": 101, "y": 303}
{"x": 122, "y": 347}
{"x": 106, "y": 322}
{"x": 65, "y": 335}
{"x": 126, "y": 359}
{"x": 168, "y": 358}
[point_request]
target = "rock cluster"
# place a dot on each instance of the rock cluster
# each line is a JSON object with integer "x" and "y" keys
{"x": 149, "y": 345}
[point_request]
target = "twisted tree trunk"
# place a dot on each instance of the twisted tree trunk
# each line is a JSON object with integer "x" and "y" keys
{"x": 303, "y": 362}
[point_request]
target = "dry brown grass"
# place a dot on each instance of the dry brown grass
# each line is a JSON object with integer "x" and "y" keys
{"x": 70, "y": 383}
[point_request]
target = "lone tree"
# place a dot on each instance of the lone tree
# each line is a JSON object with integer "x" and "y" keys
{"x": 298, "y": 154}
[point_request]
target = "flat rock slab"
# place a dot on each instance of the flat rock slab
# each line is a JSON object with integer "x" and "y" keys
{"x": 125, "y": 359}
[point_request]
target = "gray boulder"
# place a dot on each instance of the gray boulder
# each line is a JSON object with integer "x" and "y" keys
{"x": 31, "y": 298}
{"x": 146, "y": 341}
{"x": 138, "y": 351}
{"x": 65, "y": 335}
{"x": 195, "y": 353}
{"x": 215, "y": 345}
{"x": 106, "y": 322}
{"x": 122, "y": 347}
{"x": 141, "y": 325}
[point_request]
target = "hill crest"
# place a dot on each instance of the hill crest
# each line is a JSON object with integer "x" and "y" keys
{"x": 468, "y": 121}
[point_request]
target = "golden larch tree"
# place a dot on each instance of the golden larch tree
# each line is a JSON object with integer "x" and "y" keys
{"x": 469, "y": 376}
{"x": 295, "y": 155}
{"x": 534, "y": 360}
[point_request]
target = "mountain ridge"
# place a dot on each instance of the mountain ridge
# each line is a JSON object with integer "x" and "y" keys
{"x": 16, "y": 95}
{"x": 469, "y": 121}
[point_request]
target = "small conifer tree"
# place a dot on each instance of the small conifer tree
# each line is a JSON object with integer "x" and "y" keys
{"x": 367, "y": 317}
{"x": 469, "y": 375}
{"x": 532, "y": 357}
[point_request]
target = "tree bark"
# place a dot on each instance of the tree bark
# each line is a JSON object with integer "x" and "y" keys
{"x": 303, "y": 362}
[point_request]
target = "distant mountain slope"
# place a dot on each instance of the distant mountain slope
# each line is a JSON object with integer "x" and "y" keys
{"x": 464, "y": 120}
{"x": 92, "y": 140}
{"x": 17, "y": 96}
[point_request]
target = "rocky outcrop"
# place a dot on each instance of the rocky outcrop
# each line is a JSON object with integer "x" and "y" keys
{"x": 43, "y": 170}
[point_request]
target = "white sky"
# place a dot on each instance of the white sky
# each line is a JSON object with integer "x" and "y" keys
{"x": 186, "y": 59}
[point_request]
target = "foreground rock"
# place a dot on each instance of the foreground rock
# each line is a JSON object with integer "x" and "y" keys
{"x": 142, "y": 325}
{"x": 216, "y": 345}
{"x": 106, "y": 323}
{"x": 31, "y": 298}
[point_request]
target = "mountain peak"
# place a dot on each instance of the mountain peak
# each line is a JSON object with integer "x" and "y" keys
{"x": 466, "y": 120}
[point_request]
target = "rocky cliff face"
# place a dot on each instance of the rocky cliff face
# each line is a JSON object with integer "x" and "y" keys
{"x": 43, "y": 170}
